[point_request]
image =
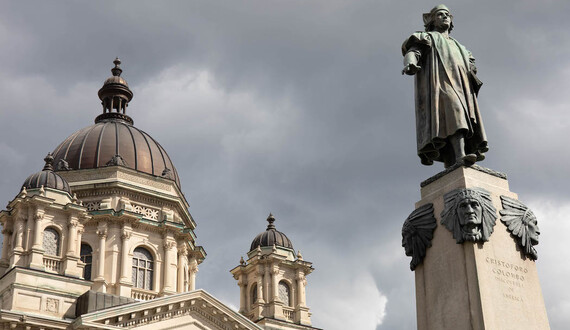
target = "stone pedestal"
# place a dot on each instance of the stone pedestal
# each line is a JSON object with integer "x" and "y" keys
{"x": 485, "y": 285}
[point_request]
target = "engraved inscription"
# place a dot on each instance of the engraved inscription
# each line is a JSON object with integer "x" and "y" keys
{"x": 511, "y": 276}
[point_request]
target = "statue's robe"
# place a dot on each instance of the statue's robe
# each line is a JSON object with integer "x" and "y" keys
{"x": 445, "y": 92}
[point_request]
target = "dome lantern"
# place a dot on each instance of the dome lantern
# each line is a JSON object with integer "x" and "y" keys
{"x": 115, "y": 96}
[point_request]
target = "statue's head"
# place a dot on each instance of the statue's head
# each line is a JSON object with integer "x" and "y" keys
{"x": 469, "y": 214}
{"x": 438, "y": 18}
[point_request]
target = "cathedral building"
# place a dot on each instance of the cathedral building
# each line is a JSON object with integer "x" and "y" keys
{"x": 102, "y": 238}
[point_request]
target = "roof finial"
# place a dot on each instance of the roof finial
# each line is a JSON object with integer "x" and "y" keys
{"x": 49, "y": 162}
{"x": 117, "y": 69}
{"x": 271, "y": 220}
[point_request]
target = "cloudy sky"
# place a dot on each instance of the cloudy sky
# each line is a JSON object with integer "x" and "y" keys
{"x": 298, "y": 108}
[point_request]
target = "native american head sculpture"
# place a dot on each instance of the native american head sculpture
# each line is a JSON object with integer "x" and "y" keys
{"x": 522, "y": 224}
{"x": 469, "y": 214}
{"x": 417, "y": 233}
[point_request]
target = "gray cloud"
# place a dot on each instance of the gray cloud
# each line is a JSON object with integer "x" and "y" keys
{"x": 297, "y": 108}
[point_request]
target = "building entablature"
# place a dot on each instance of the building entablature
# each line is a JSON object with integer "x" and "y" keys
{"x": 118, "y": 185}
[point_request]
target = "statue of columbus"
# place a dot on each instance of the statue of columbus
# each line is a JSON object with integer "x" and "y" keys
{"x": 448, "y": 122}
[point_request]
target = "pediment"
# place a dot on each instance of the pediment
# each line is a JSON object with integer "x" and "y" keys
{"x": 189, "y": 310}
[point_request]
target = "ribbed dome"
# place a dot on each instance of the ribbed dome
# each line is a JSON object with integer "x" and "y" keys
{"x": 114, "y": 142}
{"x": 47, "y": 178}
{"x": 271, "y": 236}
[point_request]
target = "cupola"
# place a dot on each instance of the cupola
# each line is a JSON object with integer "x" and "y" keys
{"x": 113, "y": 140}
{"x": 46, "y": 178}
{"x": 271, "y": 236}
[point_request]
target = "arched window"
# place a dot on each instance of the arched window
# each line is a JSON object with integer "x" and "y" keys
{"x": 253, "y": 293}
{"x": 51, "y": 242}
{"x": 86, "y": 255}
{"x": 284, "y": 293}
{"x": 143, "y": 268}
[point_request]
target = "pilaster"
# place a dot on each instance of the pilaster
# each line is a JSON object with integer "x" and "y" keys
{"x": 72, "y": 255}
{"x": 100, "y": 283}
{"x": 169, "y": 256}
{"x": 37, "y": 253}
{"x": 125, "y": 282}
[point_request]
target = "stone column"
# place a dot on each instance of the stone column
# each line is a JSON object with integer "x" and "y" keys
{"x": 71, "y": 256}
{"x": 125, "y": 262}
{"x": 266, "y": 283}
{"x": 5, "y": 242}
{"x": 193, "y": 269}
{"x": 302, "y": 315}
{"x": 72, "y": 237}
{"x": 301, "y": 281}
{"x": 125, "y": 282}
{"x": 19, "y": 231}
{"x": 38, "y": 217}
{"x": 167, "y": 274}
{"x": 275, "y": 282}
{"x": 4, "y": 262}
{"x": 260, "y": 273}
{"x": 37, "y": 256}
{"x": 277, "y": 305}
{"x": 182, "y": 255}
{"x": 100, "y": 283}
{"x": 242, "y": 283}
{"x": 80, "y": 231}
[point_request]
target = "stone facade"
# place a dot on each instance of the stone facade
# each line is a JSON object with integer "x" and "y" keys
{"x": 121, "y": 232}
{"x": 272, "y": 286}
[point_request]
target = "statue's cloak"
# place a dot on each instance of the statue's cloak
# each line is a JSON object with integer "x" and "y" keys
{"x": 445, "y": 91}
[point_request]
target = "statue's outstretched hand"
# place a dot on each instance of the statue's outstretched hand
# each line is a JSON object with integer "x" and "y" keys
{"x": 411, "y": 69}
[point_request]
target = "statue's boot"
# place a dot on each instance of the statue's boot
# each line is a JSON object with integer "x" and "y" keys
{"x": 467, "y": 160}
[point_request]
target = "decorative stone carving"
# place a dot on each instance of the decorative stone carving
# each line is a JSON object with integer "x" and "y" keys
{"x": 102, "y": 230}
{"x": 125, "y": 204}
{"x": 167, "y": 173}
{"x": 105, "y": 204}
{"x": 126, "y": 235}
{"x": 147, "y": 212}
{"x": 469, "y": 214}
{"x": 116, "y": 160}
{"x": 62, "y": 165}
{"x": 52, "y": 305}
{"x": 417, "y": 233}
{"x": 522, "y": 224}
{"x": 168, "y": 245}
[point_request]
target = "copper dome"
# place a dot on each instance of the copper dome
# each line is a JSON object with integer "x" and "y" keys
{"x": 47, "y": 178}
{"x": 271, "y": 236}
{"x": 113, "y": 140}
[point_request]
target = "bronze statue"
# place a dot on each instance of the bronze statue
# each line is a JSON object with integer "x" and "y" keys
{"x": 469, "y": 214}
{"x": 448, "y": 122}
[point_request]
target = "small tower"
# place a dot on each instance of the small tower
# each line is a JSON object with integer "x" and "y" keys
{"x": 42, "y": 228}
{"x": 272, "y": 282}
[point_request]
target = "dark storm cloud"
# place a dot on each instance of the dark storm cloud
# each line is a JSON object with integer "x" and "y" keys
{"x": 293, "y": 107}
